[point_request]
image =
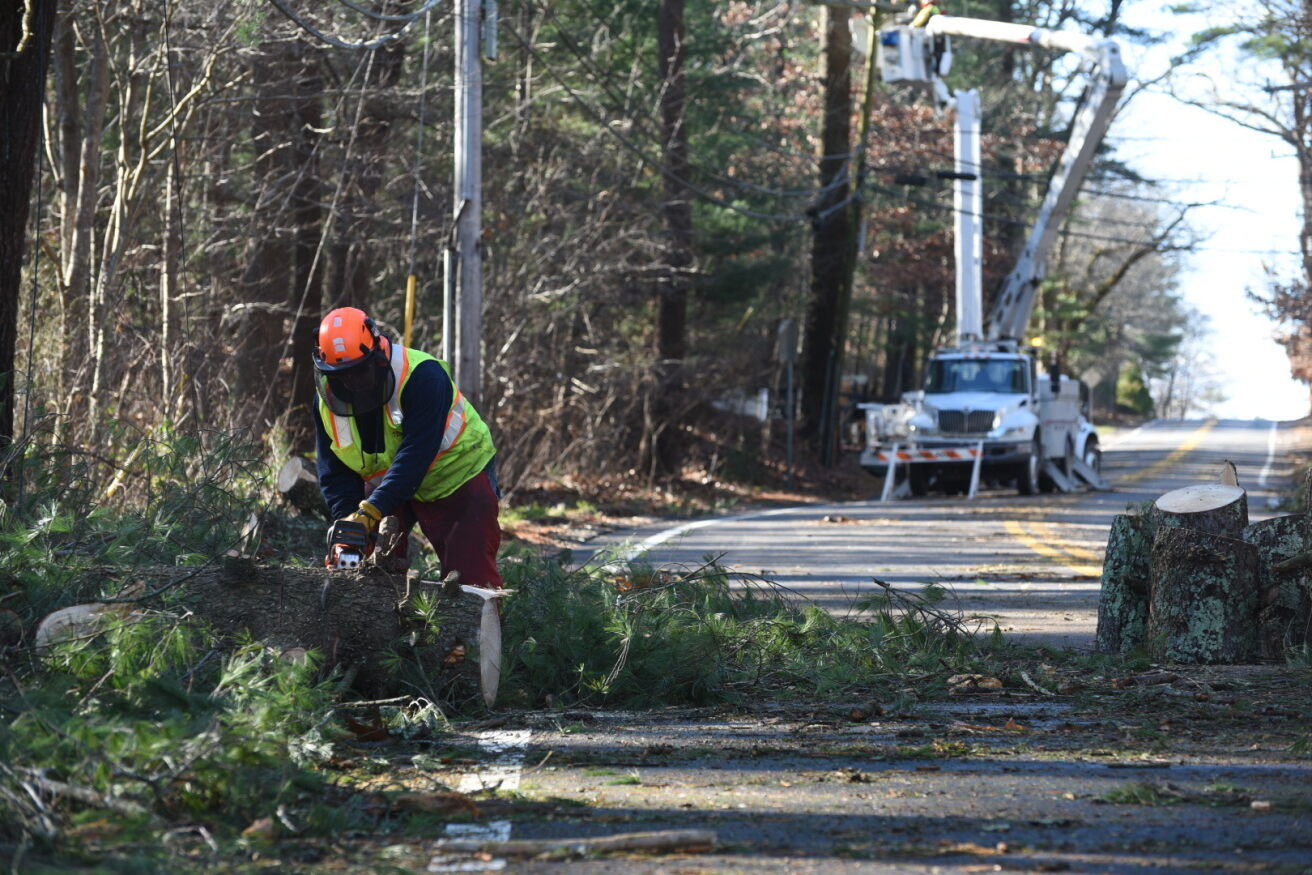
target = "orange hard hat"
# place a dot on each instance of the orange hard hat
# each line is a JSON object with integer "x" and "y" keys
{"x": 353, "y": 362}
{"x": 347, "y": 336}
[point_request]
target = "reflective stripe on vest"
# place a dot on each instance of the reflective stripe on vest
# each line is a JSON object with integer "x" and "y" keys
{"x": 456, "y": 421}
{"x": 400, "y": 370}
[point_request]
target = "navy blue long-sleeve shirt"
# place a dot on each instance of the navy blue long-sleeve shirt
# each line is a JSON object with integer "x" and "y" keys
{"x": 425, "y": 403}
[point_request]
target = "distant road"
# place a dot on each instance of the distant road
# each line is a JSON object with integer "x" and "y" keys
{"x": 1030, "y": 563}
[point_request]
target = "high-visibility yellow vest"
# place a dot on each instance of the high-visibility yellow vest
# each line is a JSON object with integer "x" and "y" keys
{"x": 466, "y": 442}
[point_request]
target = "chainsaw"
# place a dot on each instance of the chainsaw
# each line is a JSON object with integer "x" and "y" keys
{"x": 348, "y": 544}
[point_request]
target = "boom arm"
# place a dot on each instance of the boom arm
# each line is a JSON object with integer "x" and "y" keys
{"x": 1011, "y": 311}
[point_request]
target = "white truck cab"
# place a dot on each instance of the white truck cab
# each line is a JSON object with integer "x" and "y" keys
{"x": 991, "y": 403}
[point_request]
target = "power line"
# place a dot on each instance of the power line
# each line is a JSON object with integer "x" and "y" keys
{"x": 1084, "y": 235}
{"x": 408, "y": 19}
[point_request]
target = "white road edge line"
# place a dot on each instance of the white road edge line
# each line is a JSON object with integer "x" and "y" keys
{"x": 1270, "y": 456}
{"x": 502, "y": 773}
{"x": 628, "y": 554}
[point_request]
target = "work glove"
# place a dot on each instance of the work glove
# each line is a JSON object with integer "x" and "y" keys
{"x": 367, "y": 516}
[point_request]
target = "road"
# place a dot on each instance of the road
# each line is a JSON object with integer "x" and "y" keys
{"x": 1030, "y": 564}
{"x": 1207, "y": 771}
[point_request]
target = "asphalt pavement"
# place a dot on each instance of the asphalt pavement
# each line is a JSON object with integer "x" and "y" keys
{"x": 1029, "y": 563}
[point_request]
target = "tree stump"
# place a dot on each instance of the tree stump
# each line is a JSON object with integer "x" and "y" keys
{"x": 298, "y": 483}
{"x": 1123, "y": 603}
{"x": 1210, "y": 508}
{"x": 1204, "y": 597}
{"x": 1284, "y": 546}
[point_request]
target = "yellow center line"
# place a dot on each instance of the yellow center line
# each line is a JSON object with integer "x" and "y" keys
{"x": 1042, "y": 537}
{"x": 1187, "y": 446}
{"x": 1043, "y": 548}
{"x": 1048, "y": 532}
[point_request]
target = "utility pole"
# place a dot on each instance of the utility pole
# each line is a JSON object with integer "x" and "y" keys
{"x": 462, "y": 331}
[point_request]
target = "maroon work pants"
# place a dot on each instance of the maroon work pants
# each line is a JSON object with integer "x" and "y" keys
{"x": 463, "y": 528}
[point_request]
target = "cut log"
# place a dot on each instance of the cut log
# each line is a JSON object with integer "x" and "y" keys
{"x": 78, "y": 621}
{"x": 352, "y": 620}
{"x": 1204, "y": 597}
{"x": 1284, "y": 546}
{"x": 298, "y": 483}
{"x": 1123, "y": 603}
{"x": 1212, "y": 508}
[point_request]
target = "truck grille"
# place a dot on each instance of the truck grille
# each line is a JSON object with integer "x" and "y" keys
{"x": 965, "y": 421}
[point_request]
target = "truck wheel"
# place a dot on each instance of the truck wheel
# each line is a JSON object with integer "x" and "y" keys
{"x": 918, "y": 480}
{"x": 1027, "y": 483}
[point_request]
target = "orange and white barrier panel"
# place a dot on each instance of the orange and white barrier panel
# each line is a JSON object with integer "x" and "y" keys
{"x": 964, "y": 454}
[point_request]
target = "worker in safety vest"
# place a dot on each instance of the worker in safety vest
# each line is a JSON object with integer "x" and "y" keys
{"x": 396, "y": 438}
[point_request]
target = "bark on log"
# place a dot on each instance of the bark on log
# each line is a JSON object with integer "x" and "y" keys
{"x": 1211, "y": 508}
{"x": 1285, "y": 611}
{"x": 298, "y": 482}
{"x": 1123, "y": 603}
{"x": 1204, "y": 597}
{"x": 351, "y": 619}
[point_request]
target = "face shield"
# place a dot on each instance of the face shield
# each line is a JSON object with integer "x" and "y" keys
{"x": 362, "y": 387}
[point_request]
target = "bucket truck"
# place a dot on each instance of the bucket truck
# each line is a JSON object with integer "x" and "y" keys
{"x": 986, "y": 412}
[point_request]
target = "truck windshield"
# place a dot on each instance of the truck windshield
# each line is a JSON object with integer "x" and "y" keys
{"x": 975, "y": 375}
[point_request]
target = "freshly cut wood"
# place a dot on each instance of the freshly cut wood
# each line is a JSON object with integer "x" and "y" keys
{"x": 1214, "y": 508}
{"x": 1204, "y": 597}
{"x": 665, "y": 840}
{"x": 1123, "y": 603}
{"x": 1284, "y": 546}
{"x": 77, "y": 621}
{"x": 298, "y": 483}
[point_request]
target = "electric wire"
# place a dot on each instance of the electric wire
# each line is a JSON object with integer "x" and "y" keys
{"x": 404, "y": 17}
{"x": 1084, "y": 235}
{"x": 331, "y": 40}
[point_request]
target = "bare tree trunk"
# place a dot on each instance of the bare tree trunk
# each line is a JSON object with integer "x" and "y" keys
{"x": 822, "y": 347}
{"x": 307, "y": 222}
{"x": 256, "y": 326}
{"x": 171, "y": 245}
{"x": 82, "y": 128}
{"x": 1126, "y": 573}
{"x": 349, "y": 260}
{"x": 25, "y": 43}
{"x": 129, "y": 171}
{"x": 672, "y": 294}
